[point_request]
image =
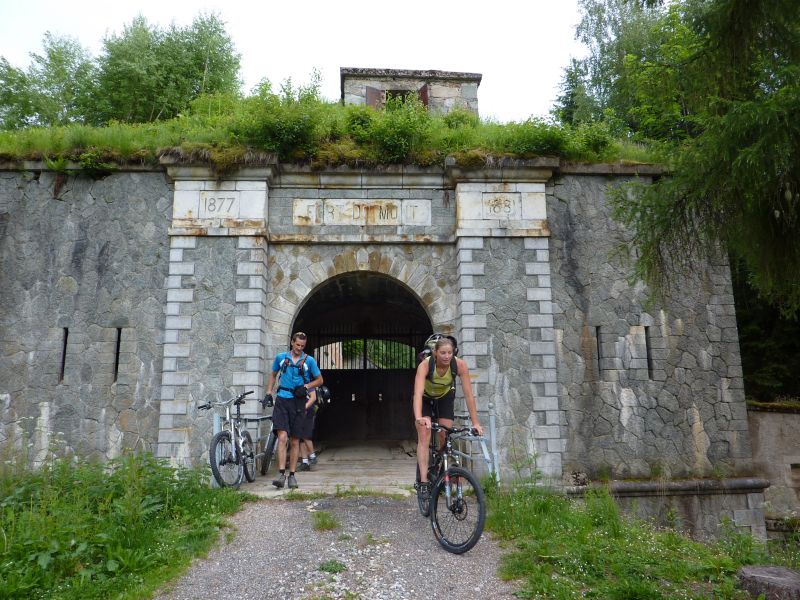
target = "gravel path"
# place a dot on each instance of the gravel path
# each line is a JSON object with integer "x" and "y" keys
{"x": 388, "y": 550}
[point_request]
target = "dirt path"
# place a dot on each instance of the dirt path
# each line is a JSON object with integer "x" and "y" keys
{"x": 386, "y": 547}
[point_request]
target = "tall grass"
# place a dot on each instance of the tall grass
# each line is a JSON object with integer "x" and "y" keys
{"x": 76, "y": 529}
{"x": 563, "y": 549}
{"x": 298, "y": 126}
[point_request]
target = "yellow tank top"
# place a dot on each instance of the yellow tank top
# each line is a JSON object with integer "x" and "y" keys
{"x": 441, "y": 384}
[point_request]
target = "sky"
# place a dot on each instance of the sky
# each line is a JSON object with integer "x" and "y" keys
{"x": 519, "y": 46}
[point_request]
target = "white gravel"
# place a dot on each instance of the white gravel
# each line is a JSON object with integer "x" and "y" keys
{"x": 386, "y": 546}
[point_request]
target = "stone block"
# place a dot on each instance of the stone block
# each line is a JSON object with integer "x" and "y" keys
{"x": 471, "y": 269}
{"x": 183, "y": 241}
{"x": 246, "y": 379}
{"x": 542, "y": 348}
{"x": 178, "y": 322}
{"x": 475, "y": 243}
{"x": 180, "y": 295}
{"x": 536, "y": 243}
{"x": 540, "y": 321}
{"x": 770, "y": 583}
{"x": 181, "y": 268}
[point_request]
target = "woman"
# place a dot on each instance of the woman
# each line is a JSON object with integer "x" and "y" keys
{"x": 439, "y": 391}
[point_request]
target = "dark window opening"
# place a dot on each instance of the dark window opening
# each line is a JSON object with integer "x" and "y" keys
{"x": 649, "y": 351}
{"x": 63, "y": 355}
{"x": 599, "y": 350}
{"x": 116, "y": 353}
{"x": 402, "y": 95}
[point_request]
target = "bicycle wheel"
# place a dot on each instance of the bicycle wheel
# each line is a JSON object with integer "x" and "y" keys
{"x": 458, "y": 510}
{"x": 222, "y": 455}
{"x": 269, "y": 452}
{"x": 249, "y": 458}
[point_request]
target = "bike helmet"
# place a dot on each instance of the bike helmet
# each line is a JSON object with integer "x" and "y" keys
{"x": 430, "y": 343}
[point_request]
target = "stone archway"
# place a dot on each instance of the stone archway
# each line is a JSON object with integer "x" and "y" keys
{"x": 365, "y": 329}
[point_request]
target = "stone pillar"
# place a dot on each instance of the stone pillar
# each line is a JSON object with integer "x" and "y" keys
{"x": 214, "y": 345}
{"x": 506, "y": 321}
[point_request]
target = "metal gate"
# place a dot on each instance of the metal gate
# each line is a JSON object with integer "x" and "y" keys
{"x": 371, "y": 378}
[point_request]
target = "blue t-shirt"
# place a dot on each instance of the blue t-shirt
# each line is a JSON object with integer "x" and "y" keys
{"x": 291, "y": 377}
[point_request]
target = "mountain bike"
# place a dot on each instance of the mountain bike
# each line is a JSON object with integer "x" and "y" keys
{"x": 232, "y": 454}
{"x": 457, "y": 505}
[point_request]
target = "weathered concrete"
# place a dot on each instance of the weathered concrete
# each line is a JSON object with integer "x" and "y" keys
{"x": 776, "y": 456}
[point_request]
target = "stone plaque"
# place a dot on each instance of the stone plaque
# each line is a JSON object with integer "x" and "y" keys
{"x": 218, "y": 205}
{"x": 503, "y": 206}
{"x": 346, "y": 211}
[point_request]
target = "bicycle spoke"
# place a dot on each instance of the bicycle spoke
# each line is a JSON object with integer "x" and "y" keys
{"x": 458, "y": 510}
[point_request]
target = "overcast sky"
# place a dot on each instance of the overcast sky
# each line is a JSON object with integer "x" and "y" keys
{"x": 520, "y": 47}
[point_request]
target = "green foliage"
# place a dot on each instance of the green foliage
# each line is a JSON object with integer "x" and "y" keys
{"x": 74, "y": 529}
{"x": 325, "y": 521}
{"x": 55, "y": 90}
{"x": 332, "y": 566}
{"x": 401, "y": 129}
{"x": 571, "y": 549}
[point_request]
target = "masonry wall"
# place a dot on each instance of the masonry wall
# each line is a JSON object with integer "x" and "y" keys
{"x": 91, "y": 257}
{"x": 680, "y": 414}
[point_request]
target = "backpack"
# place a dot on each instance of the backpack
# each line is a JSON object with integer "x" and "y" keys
{"x": 427, "y": 354}
{"x": 302, "y": 370}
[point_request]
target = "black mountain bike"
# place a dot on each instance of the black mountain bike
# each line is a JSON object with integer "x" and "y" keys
{"x": 456, "y": 506}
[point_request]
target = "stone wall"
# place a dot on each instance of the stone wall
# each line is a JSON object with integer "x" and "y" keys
{"x": 648, "y": 392}
{"x": 776, "y": 456}
{"x": 87, "y": 257}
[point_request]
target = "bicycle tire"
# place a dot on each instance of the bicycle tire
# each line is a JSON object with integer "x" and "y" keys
{"x": 269, "y": 452}
{"x": 249, "y": 458}
{"x": 227, "y": 470}
{"x": 458, "y": 525}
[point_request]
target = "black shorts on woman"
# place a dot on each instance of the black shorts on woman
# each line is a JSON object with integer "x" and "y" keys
{"x": 445, "y": 406}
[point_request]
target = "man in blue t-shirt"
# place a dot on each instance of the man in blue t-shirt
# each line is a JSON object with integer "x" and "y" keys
{"x": 299, "y": 378}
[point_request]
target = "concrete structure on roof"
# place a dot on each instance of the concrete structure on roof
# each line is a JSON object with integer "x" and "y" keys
{"x": 440, "y": 91}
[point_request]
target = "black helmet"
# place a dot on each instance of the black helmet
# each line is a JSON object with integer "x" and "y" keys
{"x": 323, "y": 394}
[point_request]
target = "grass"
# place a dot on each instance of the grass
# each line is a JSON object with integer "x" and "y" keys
{"x": 325, "y": 521}
{"x": 563, "y": 549}
{"x": 298, "y": 126}
{"x": 79, "y": 530}
{"x": 332, "y": 566}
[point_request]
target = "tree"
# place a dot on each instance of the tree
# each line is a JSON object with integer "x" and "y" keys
{"x": 736, "y": 183}
{"x": 55, "y": 90}
{"x": 147, "y": 74}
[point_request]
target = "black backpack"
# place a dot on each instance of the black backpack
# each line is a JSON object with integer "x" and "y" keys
{"x": 427, "y": 354}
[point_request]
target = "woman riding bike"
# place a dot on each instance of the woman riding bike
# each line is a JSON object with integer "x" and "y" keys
{"x": 435, "y": 383}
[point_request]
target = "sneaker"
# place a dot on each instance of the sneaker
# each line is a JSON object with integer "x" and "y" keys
{"x": 304, "y": 466}
{"x": 292, "y": 482}
{"x": 424, "y": 490}
{"x": 280, "y": 480}
{"x": 312, "y": 459}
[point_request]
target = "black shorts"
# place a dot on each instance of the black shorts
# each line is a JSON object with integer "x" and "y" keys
{"x": 289, "y": 415}
{"x": 306, "y": 431}
{"x": 445, "y": 406}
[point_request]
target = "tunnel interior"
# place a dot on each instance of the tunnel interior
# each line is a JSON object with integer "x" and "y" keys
{"x": 365, "y": 330}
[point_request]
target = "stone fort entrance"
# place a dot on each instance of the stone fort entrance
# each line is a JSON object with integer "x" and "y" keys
{"x": 365, "y": 330}
{"x": 166, "y": 285}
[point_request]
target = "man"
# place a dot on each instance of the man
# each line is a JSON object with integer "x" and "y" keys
{"x": 299, "y": 375}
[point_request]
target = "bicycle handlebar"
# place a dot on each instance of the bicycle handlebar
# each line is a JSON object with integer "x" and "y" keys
{"x": 238, "y": 400}
{"x": 454, "y": 430}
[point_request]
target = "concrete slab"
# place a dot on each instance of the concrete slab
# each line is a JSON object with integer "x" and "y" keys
{"x": 377, "y": 467}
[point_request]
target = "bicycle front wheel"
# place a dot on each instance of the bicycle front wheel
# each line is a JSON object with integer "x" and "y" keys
{"x": 269, "y": 452}
{"x": 222, "y": 455}
{"x": 249, "y": 457}
{"x": 458, "y": 510}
